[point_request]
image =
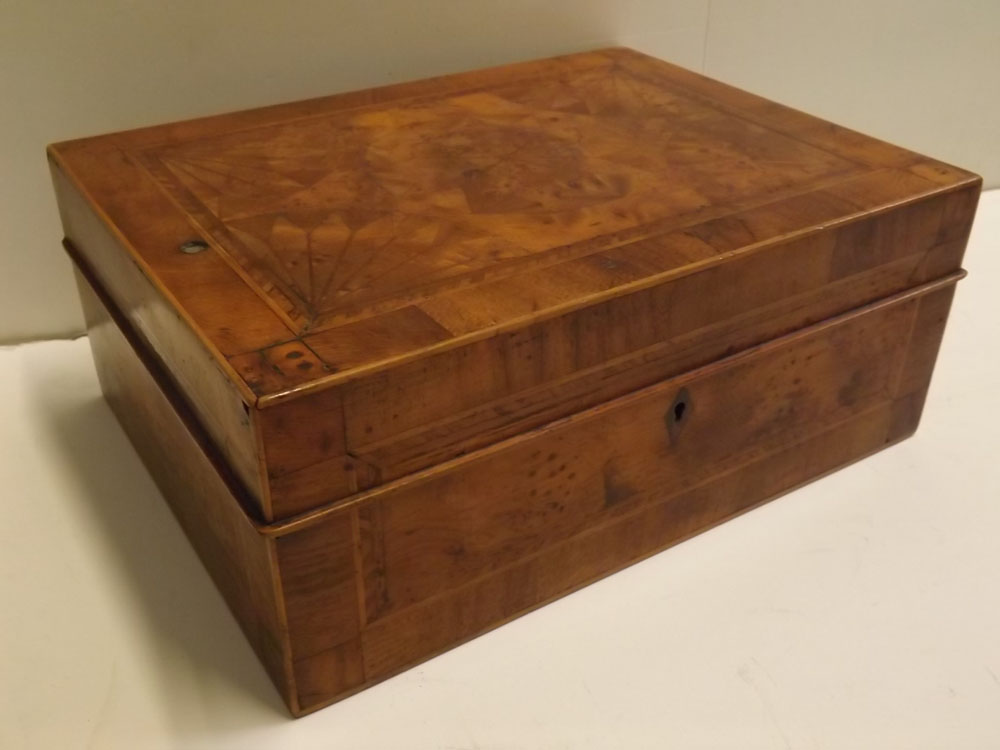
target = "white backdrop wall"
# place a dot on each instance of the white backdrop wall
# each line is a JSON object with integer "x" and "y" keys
{"x": 921, "y": 73}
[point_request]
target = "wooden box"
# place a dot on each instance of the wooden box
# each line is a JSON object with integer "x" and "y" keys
{"x": 411, "y": 361}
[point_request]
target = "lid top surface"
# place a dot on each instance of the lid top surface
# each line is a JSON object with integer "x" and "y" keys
{"x": 380, "y": 225}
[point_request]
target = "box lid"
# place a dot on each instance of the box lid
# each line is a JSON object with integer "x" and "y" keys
{"x": 351, "y": 234}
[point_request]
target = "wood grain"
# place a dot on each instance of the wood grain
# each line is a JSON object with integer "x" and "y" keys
{"x": 198, "y": 485}
{"x": 424, "y": 269}
{"x": 444, "y": 621}
{"x": 213, "y": 396}
{"x": 490, "y": 512}
{"x": 456, "y": 550}
{"x": 349, "y": 594}
{"x": 403, "y": 198}
{"x": 454, "y": 348}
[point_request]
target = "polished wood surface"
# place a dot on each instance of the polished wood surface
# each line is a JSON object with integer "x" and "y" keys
{"x": 200, "y": 488}
{"x": 410, "y": 362}
{"x": 215, "y": 397}
{"x": 398, "y": 276}
{"x": 352, "y": 593}
{"x": 445, "y": 554}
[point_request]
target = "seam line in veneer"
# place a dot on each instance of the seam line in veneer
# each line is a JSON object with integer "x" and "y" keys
{"x": 267, "y": 509}
{"x": 282, "y": 613}
{"x": 359, "y": 570}
{"x": 900, "y": 366}
{"x": 294, "y": 523}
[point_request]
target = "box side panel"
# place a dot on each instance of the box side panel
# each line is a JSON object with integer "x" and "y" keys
{"x": 459, "y": 549}
{"x": 239, "y": 559}
{"x": 220, "y": 407}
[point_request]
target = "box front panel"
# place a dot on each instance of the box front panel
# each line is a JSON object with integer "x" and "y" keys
{"x": 513, "y": 503}
{"x": 463, "y": 547}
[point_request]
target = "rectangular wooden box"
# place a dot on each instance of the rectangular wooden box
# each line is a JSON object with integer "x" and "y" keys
{"x": 411, "y": 361}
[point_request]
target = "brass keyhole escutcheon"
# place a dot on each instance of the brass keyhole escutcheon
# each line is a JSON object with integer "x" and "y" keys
{"x": 679, "y": 413}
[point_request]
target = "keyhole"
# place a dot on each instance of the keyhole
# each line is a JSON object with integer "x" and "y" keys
{"x": 679, "y": 409}
{"x": 678, "y": 413}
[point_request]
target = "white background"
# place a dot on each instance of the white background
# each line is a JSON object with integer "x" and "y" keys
{"x": 922, "y": 73}
{"x": 859, "y": 612}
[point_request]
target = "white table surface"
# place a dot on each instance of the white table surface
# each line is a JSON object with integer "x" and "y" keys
{"x": 862, "y": 611}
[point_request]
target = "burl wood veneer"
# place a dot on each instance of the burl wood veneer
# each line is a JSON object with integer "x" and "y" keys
{"x": 408, "y": 362}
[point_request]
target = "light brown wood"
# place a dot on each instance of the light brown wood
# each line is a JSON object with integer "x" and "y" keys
{"x": 216, "y": 399}
{"x": 202, "y": 491}
{"x": 351, "y": 593}
{"x": 454, "y": 348}
{"x": 423, "y": 269}
{"x": 467, "y": 545}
